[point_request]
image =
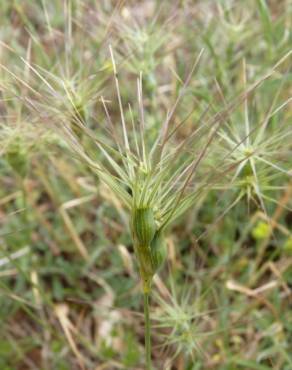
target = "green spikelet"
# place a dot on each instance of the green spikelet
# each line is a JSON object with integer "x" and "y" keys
{"x": 150, "y": 247}
{"x": 158, "y": 250}
{"x": 144, "y": 227}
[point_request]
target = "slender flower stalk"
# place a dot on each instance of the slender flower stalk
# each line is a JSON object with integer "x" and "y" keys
{"x": 147, "y": 331}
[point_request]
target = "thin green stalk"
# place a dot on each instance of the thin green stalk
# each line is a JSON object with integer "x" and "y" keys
{"x": 147, "y": 331}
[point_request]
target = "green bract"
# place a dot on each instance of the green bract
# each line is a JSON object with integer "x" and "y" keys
{"x": 158, "y": 250}
{"x": 149, "y": 244}
{"x": 144, "y": 227}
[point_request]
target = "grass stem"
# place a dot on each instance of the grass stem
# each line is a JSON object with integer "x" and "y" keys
{"x": 147, "y": 331}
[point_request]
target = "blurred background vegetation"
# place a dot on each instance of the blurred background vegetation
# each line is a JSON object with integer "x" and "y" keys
{"x": 69, "y": 287}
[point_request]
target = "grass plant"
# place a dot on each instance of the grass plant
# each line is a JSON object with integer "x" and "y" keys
{"x": 182, "y": 114}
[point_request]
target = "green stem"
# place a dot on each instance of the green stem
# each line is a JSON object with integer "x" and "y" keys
{"x": 147, "y": 331}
